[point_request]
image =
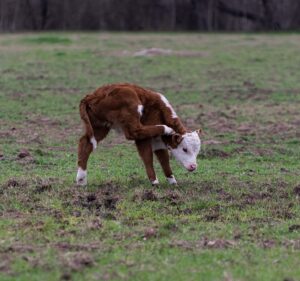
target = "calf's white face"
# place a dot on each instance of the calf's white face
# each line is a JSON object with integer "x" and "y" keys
{"x": 187, "y": 150}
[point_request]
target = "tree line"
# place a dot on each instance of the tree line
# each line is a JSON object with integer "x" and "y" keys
{"x": 149, "y": 15}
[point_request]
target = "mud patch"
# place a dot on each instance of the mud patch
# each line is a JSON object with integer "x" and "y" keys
{"x": 66, "y": 246}
{"x": 247, "y": 91}
{"x": 260, "y": 123}
{"x": 224, "y": 195}
{"x": 150, "y": 232}
{"x": 297, "y": 190}
{"x": 19, "y": 248}
{"x": 294, "y": 227}
{"x": 23, "y": 153}
{"x": 214, "y": 153}
{"x": 214, "y": 214}
{"x": 103, "y": 201}
{"x": 5, "y": 264}
{"x": 78, "y": 261}
{"x": 149, "y": 195}
{"x": 45, "y": 184}
{"x": 252, "y": 198}
{"x": 15, "y": 183}
{"x": 284, "y": 213}
{"x": 174, "y": 197}
{"x": 267, "y": 244}
{"x": 204, "y": 243}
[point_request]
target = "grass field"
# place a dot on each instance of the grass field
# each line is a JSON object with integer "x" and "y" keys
{"x": 236, "y": 218}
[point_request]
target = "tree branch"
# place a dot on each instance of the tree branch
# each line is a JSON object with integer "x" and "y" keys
{"x": 238, "y": 13}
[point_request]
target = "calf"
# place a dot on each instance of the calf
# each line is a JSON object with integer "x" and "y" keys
{"x": 145, "y": 117}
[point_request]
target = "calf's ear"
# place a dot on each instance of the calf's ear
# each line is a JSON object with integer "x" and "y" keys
{"x": 200, "y": 132}
{"x": 177, "y": 138}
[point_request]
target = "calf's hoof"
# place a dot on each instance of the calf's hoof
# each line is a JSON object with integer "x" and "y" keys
{"x": 81, "y": 182}
{"x": 168, "y": 130}
{"x": 172, "y": 180}
{"x": 155, "y": 182}
{"x": 81, "y": 178}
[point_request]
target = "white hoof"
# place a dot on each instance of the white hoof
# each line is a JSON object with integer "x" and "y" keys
{"x": 168, "y": 130}
{"x": 81, "y": 178}
{"x": 172, "y": 180}
{"x": 155, "y": 182}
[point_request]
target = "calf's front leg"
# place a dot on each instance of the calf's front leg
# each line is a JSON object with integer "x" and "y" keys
{"x": 164, "y": 160}
{"x": 145, "y": 151}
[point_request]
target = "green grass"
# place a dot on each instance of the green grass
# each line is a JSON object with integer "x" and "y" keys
{"x": 236, "y": 218}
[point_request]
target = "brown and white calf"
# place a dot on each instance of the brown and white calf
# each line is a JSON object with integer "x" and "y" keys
{"x": 145, "y": 117}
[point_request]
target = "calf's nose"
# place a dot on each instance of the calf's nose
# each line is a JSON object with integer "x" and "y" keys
{"x": 192, "y": 167}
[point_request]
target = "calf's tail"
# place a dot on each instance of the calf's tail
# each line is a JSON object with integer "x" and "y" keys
{"x": 87, "y": 123}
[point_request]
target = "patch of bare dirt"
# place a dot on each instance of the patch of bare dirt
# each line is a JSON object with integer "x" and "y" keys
{"x": 36, "y": 262}
{"x": 40, "y": 184}
{"x": 78, "y": 261}
{"x": 12, "y": 214}
{"x": 174, "y": 197}
{"x": 23, "y": 153}
{"x": 104, "y": 200}
{"x": 262, "y": 151}
{"x": 264, "y": 121}
{"x": 31, "y": 77}
{"x": 150, "y": 52}
{"x": 224, "y": 195}
{"x": 297, "y": 190}
{"x": 293, "y": 243}
{"x": 283, "y": 213}
{"x": 150, "y": 232}
{"x": 247, "y": 91}
{"x": 64, "y": 90}
{"x": 149, "y": 195}
{"x": 214, "y": 153}
{"x": 45, "y": 184}
{"x": 294, "y": 227}
{"x": 213, "y": 142}
{"x": 204, "y": 243}
{"x": 213, "y": 214}
{"x": 252, "y": 198}
{"x": 34, "y": 128}
{"x": 15, "y": 183}
{"x": 268, "y": 243}
{"x": 5, "y": 264}
{"x": 67, "y": 247}
{"x": 18, "y": 248}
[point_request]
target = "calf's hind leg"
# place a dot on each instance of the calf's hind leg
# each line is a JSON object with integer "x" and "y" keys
{"x": 85, "y": 147}
{"x": 145, "y": 151}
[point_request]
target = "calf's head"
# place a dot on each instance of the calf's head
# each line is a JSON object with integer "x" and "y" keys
{"x": 185, "y": 149}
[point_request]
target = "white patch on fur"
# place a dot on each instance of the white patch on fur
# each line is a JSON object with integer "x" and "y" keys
{"x": 140, "y": 109}
{"x": 158, "y": 144}
{"x": 192, "y": 143}
{"x": 172, "y": 180}
{"x": 81, "y": 177}
{"x": 167, "y": 104}
{"x": 93, "y": 142}
{"x": 155, "y": 182}
{"x": 167, "y": 130}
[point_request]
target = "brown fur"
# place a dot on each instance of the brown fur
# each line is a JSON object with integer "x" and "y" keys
{"x": 116, "y": 105}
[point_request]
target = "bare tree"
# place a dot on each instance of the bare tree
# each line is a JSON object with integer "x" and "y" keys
{"x": 17, "y": 15}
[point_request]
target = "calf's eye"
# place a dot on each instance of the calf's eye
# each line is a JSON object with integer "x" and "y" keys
{"x": 184, "y": 149}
